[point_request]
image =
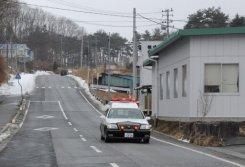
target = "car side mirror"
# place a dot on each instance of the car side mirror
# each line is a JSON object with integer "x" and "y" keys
{"x": 102, "y": 117}
{"x": 148, "y": 118}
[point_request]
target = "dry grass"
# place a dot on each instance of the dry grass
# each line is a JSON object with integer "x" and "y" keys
{"x": 88, "y": 74}
{"x": 173, "y": 129}
{"x": 242, "y": 129}
{"x": 105, "y": 96}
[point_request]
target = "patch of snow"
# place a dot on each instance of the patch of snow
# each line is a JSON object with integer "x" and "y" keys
{"x": 85, "y": 87}
{"x": 184, "y": 140}
{"x": 107, "y": 90}
{"x": 4, "y": 136}
{"x": 27, "y": 81}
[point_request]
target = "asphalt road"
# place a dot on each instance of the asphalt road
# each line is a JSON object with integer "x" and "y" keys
{"x": 62, "y": 129}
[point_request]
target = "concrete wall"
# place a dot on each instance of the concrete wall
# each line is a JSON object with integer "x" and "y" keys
{"x": 173, "y": 57}
{"x": 217, "y": 49}
{"x": 145, "y": 74}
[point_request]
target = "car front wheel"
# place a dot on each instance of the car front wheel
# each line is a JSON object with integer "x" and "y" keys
{"x": 146, "y": 141}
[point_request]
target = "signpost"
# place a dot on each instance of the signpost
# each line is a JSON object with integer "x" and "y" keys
{"x": 18, "y": 77}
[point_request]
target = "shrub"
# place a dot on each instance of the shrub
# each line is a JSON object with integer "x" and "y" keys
{"x": 3, "y": 70}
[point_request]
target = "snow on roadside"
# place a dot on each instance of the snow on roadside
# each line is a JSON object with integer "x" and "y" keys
{"x": 85, "y": 86}
{"x": 27, "y": 81}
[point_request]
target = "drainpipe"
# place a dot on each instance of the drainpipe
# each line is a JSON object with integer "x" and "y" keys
{"x": 157, "y": 79}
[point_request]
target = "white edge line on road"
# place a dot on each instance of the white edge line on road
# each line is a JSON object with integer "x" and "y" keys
{"x": 96, "y": 149}
{"x": 83, "y": 139}
{"x": 81, "y": 136}
{"x": 114, "y": 165}
{"x": 199, "y": 152}
{"x": 62, "y": 110}
{"x": 75, "y": 129}
{"x": 21, "y": 124}
{"x": 176, "y": 145}
{"x": 70, "y": 123}
{"x": 90, "y": 104}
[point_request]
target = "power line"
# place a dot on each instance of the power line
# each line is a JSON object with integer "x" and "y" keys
{"x": 73, "y": 10}
{"x": 91, "y": 23}
{"x": 65, "y": 3}
{"x": 148, "y": 19}
{"x": 79, "y": 11}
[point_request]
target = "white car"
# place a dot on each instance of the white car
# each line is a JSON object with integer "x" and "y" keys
{"x": 124, "y": 120}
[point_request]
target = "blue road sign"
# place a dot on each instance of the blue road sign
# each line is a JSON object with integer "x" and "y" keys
{"x": 17, "y": 76}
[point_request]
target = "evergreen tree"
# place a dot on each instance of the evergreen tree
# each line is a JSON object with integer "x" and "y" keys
{"x": 238, "y": 21}
{"x": 207, "y": 18}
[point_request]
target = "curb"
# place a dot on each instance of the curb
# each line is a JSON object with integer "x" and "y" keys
{"x": 13, "y": 126}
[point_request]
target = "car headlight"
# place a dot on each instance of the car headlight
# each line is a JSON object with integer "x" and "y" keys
{"x": 145, "y": 127}
{"x": 112, "y": 126}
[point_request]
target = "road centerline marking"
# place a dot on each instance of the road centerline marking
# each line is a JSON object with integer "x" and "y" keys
{"x": 114, "y": 165}
{"x": 62, "y": 110}
{"x": 70, "y": 123}
{"x": 96, "y": 149}
{"x": 75, "y": 129}
{"x": 83, "y": 139}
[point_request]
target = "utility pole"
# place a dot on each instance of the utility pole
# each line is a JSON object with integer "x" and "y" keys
{"x": 61, "y": 50}
{"x": 109, "y": 71}
{"x": 81, "y": 58}
{"x": 134, "y": 53}
{"x": 166, "y": 27}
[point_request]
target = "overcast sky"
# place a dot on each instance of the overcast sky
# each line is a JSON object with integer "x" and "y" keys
{"x": 148, "y": 8}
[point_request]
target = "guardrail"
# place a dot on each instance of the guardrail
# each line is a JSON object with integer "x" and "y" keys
{"x": 112, "y": 87}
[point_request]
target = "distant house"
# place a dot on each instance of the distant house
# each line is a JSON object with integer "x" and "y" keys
{"x": 19, "y": 52}
{"x": 198, "y": 75}
{"x": 145, "y": 85}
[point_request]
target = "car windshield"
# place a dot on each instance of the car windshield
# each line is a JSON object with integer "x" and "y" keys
{"x": 130, "y": 113}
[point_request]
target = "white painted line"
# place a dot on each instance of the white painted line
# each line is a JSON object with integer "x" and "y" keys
{"x": 49, "y": 87}
{"x": 96, "y": 149}
{"x": 43, "y": 101}
{"x": 75, "y": 87}
{"x": 25, "y": 114}
{"x": 37, "y": 87}
{"x": 176, "y": 145}
{"x": 70, "y": 123}
{"x": 69, "y": 87}
{"x": 90, "y": 104}
{"x": 44, "y": 129}
{"x": 43, "y": 87}
{"x": 83, "y": 139}
{"x": 75, "y": 129}
{"x": 62, "y": 110}
{"x": 62, "y": 87}
{"x": 199, "y": 152}
{"x": 81, "y": 136}
{"x": 114, "y": 165}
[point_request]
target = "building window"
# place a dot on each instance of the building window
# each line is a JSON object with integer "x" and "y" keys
{"x": 161, "y": 87}
{"x": 184, "y": 81}
{"x": 167, "y": 85}
{"x": 175, "y": 83}
{"x": 221, "y": 78}
{"x": 149, "y": 46}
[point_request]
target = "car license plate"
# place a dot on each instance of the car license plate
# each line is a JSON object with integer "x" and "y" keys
{"x": 128, "y": 135}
